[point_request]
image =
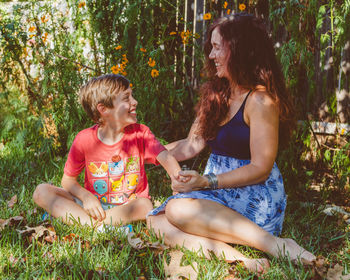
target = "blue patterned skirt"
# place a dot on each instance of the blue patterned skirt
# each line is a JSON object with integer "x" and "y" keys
{"x": 264, "y": 203}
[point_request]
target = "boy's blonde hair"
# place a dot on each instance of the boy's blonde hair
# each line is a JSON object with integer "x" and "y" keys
{"x": 101, "y": 90}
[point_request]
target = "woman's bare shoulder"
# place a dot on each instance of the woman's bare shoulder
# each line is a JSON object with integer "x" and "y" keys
{"x": 261, "y": 99}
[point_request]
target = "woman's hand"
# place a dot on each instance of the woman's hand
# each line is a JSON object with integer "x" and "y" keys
{"x": 93, "y": 207}
{"x": 188, "y": 181}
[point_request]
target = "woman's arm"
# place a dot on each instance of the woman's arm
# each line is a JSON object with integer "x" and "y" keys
{"x": 261, "y": 114}
{"x": 189, "y": 147}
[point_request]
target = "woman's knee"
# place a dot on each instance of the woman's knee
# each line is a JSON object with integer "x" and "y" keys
{"x": 179, "y": 211}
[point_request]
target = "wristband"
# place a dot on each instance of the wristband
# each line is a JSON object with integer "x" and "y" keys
{"x": 213, "y": 181}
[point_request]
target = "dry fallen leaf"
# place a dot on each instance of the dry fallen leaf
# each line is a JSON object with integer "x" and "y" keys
{"x": 39, "y": 233}
{"x": 12, "y": 201}
{"x": 336, "y": 273}
{"x": 13, "y": 221}
{"x": 138, "y": 244}
{"x": 135, "y": 242}
{"x": 174, "y": 270}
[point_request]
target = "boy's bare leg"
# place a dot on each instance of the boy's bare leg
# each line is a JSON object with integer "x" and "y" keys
{"x": 60, "y": 204}
{"x": 135, "y": 210}
{"x": 174, "y": 236}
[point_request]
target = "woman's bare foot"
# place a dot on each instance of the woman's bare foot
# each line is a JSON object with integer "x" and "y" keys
{"x": 259, "y": 266}
{"x": 289, "y": 248}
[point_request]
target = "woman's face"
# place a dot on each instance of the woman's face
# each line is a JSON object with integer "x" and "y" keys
{"x": 219, "y": 53}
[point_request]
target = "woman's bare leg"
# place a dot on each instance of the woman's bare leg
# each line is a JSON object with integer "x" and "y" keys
{"x": 174, "y": 236}
{"x": 213, "y": 220}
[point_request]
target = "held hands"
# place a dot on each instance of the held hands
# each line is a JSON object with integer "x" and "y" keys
{"x": 188, "y": 181}
{"x": 92, "y": 207}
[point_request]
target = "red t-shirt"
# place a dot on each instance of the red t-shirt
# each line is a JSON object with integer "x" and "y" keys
{"x": 114, "y": 173}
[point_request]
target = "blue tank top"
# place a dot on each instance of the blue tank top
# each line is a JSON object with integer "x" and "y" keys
{"x": 233, "y": 137}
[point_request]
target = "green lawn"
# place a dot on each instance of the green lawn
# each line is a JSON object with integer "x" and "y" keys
{"x": 91, "y": 255}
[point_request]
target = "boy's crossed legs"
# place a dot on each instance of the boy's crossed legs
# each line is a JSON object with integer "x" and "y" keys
{"x": 60, "y": 203}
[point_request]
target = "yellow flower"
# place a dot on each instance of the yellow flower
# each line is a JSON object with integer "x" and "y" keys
{"x": 342, "y": 131}
{"x": 228, "y": 11}
{"x": 81, "y": 4}
{"x": 143, "y": 50}
{"x": 242, "y": 7}
{"x": 154, "y": 73}
{"x": 151, "y": 63}
{"x": 32, "y": 29}
{"x": 225, "y": 5}
{"x": 118, "y": 47}
{"x": 172, "y": 33}
{"x": 207, "y": 16}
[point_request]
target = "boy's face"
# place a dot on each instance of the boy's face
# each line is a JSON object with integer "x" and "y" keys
{"x": 123, "y": 112}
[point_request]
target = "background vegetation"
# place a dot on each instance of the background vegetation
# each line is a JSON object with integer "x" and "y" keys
{"x": 49, "y": 49}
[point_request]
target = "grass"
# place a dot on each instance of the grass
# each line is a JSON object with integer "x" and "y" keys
{"x": 109, "y": 256}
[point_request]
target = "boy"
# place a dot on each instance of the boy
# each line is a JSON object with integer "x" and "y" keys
{"x": 113, "y": 153}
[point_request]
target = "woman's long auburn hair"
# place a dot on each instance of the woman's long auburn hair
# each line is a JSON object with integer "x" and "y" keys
{"x": 252, "y": 62}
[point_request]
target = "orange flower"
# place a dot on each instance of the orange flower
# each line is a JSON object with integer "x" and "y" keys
{"x": 115, "y": 69}
{"x": 151, "y": 63}
{"x": 143, "y": 50}
{"x": 154, "y": 73}
{"x": 32, "y": 29}
{"x": 125, "y": 60}
{"x": 118, "y": 47}
{"x": 44, "y": 37}
{"x": 228, "y": 11}
{"x": 172, "y": 33}
{"x": 130, "y": 85}
{"x": 82, "y": 4}
{"x": 207, "y": 16}
{"x": 185, "y": 35}
{"x": 242, "y": 7}
{"x": 225, "y": 5}
{"x": 44, "y": 19}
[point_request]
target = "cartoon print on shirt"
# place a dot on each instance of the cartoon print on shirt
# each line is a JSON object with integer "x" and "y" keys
{"x": 116, "y": 168}
{"x": 98, "y": 171}
{"x": 100, "y": 186}
{"x": 104, "y": 199}
{"x": 133, "y": 164}
{"x": 132, "y": 181}
{"x": 132, "y": 196}
{"x": 117, "y": 184}
{"x": 118, "y": 199}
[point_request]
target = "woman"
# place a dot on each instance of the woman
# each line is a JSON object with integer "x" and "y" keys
{"x": 241, "y": 198}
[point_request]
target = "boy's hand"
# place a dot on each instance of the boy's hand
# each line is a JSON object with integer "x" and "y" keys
{"x": 93, "y": 207}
